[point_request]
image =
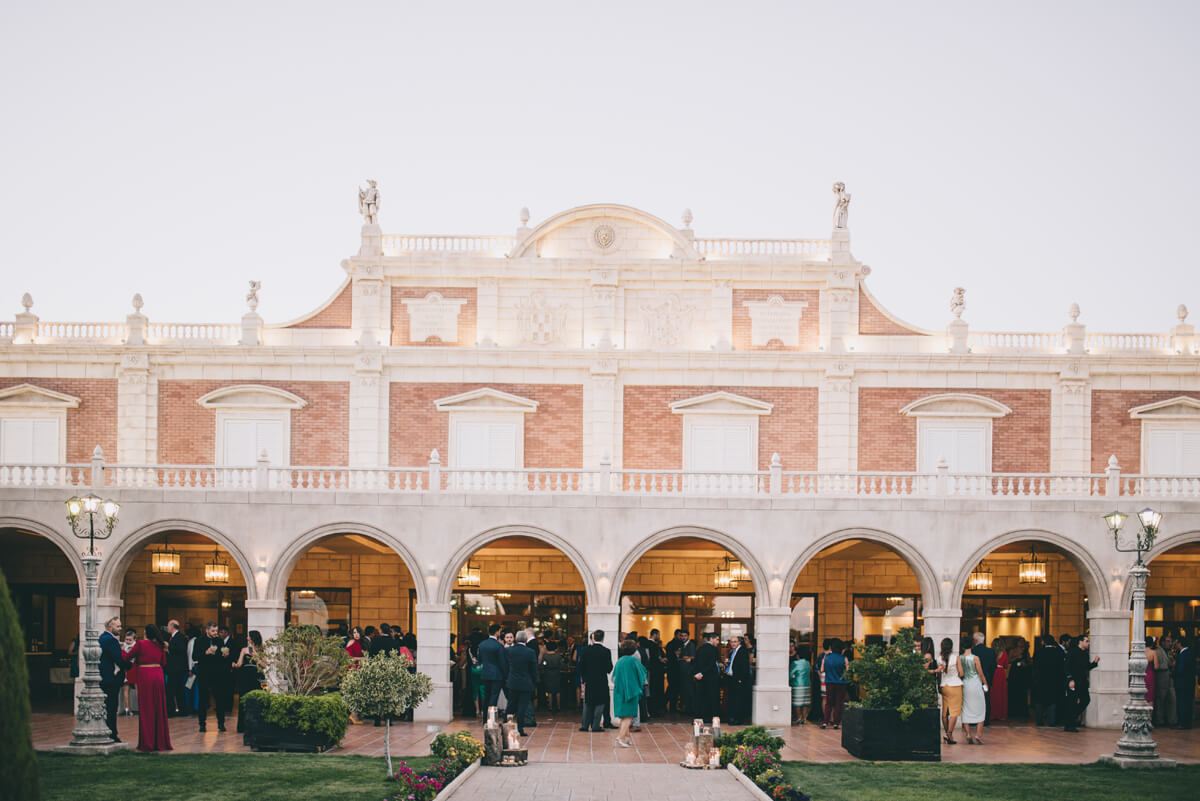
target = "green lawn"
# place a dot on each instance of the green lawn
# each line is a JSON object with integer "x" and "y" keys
{"x": 215, "y": 777}
{"x": 889, "y": 781}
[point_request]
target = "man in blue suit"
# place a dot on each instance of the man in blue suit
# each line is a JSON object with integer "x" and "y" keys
{"x": 112, "y": 671}
{"x": 1185, "y": 683}
{"x": 522, "y": 678}
{"x": 494, "y": 666}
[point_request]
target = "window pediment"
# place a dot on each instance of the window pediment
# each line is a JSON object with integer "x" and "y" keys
{"x": 723, "y": 403}
{"x": 486, "y": 399}
{"x": 956, "y": 404}
{"x": 29, "y": 396}
{"x": 1180, "y": 408}
{"x": 251, "y": 396}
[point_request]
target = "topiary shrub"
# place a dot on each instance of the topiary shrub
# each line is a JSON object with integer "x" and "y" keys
{"x": 381, "y": 686}
{"x": 893, "y": 676}
{"x": 326, "y": 715}
{"x": 18, "y": 767}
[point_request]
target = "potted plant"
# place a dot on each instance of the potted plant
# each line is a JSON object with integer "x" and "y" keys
{"x": 300, "y": 712}
{"x": 382, "y": 686}
{"x": 897, "y": 717}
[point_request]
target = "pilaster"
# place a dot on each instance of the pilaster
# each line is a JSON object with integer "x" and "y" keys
{"x": 1071, "y": 421}
{"x": 772, "y": 695}
{"x": 433, "y": 629}
{"x": 608, "y": 618}
{"x": 266, "y": 617}
{"x": 600, "y": 412}
{"x": 487, "y": 303}
{"x": 838, "y": 297}
{"x": 837, "y": 420}
{"x": 602, "y": 312}
{"x": 368, "y": 411}
{"x": 942, "y": 623}
{"x": 137, "y": 410}
{"x": 722, "y": 315}
{"x": 1108, "y": 630}
{"x": 368, "y": 300}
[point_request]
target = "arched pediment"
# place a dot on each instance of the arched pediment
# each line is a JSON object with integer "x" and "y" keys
{"x": 1178, "y": 408}
{"x": 251, "y": 396}
{"x": 955, "y": 404}
{"x": 603, "y": 230}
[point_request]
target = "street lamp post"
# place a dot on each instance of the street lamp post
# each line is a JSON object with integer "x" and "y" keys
{"x": 91, "y": 731}
{"x": 1136, "y": 748}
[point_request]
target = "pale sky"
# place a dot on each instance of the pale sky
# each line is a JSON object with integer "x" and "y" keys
{"x": 1036, "y": 153}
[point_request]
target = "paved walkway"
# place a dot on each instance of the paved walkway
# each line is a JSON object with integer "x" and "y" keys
{"x": 559, "y": 740}
{"x": 560, "y": 782}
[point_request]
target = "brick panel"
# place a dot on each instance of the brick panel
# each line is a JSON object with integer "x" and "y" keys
{"x": 468, "y": 314}
{"x": 335, "y": 315}
{"x": 1115, "y": 432}
{"x": 553, "y": 434}
{"x": 871, "y": 320}
{"x": 187, "y": 432}
{"x": 809, "y": 324}
{"x": 887, "y": 440}
{"x": 653, "y": 435}
{"x": 93, "y": 422}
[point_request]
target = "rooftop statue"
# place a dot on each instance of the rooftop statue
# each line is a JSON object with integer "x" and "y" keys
{"x": 841, "y": 208}
{"x": 368, "y": 203}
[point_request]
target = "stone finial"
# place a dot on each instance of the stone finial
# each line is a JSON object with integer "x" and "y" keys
{"x": 687, "y": 218}
{"x": 1181, "y": 313}
{"x": 1074, "y": 312}
{"x": 138, "y": 302}
{"x": 27, "y": 302}
{"x": 252, "y": 295}
{"x": 958, "y": 302}
{"x": 524, "y": 216}
{"x": 1112, "y": 462}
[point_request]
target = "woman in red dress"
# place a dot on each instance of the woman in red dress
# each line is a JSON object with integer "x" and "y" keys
{"x": 154, "y": 733}
{"x": 998, "y": 697}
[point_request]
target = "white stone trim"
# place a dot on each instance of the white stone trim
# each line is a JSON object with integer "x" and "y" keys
{"x": 956, "y": 404}
{"x": 1187, "y": 409}
{"x": 282, "y": 416}
{"x": 721, "y": 403}
{"x": 39, "y": 398}
{"x": 267, "y": 398}
{"x": 486, "y": 399}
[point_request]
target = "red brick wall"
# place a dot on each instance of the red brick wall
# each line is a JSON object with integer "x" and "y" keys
{"x": 1115, "y": 432}
{"x": 320, "y": 431}
{"x": 553, "y": 434}
{"x": 887, "y": 440}
{"x": 335, "y": 315}
{"x": 468, "y": 314}
{"x": 93, "y": 422}
{"x": 653, "y": 434}
{"x": 810, "y": 320}
{"x": 873, "y": 321}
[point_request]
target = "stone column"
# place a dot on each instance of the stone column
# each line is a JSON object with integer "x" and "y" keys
{"x": 839, "y": 301}
{"x": 837, "y": 421}
{"x": 433, "y": 659}
{"x": 137, "y": 411}
{"x": 772, "y": 695}
{"x": 722, "y": 315}
{"x": 600, "y": 413}
{"x": 266, "y": 617}
{"x": 368, "y": 411}
{"x": 1071, "y": 421}
{"x": 1108, "y": 630}
{"x": 602, "y": 616}
{"x": 602, "y": 316}
{"x": 941, "y": 623}
{"x": 487, "y": 312}
{"x": 368, "y": 301}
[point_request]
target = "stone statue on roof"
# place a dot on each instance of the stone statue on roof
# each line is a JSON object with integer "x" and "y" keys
{"x": 841, "y": 208}
{"x": 368, "y": 203}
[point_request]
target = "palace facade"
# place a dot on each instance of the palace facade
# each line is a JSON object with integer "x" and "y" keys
{"x": 603, "y": 421}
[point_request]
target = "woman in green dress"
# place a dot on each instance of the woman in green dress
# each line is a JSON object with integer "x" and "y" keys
{"x": 800, "y": 679}
{"x": 629, "y": 677}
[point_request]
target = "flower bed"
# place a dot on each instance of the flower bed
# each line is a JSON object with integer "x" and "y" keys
{"x": 455, "y": 753}
{"x": 760, "y": 764}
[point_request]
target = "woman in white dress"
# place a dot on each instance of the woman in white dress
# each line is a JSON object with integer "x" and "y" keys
{"x": 974, "y": 702}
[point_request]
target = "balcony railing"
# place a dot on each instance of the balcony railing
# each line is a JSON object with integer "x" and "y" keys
{"x": 604, "y": 480}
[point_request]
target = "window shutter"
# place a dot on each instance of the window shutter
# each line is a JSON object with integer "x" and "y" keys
{"x": 485, "y": 446}
{"x": 502, "y": 446}
{"x": 238, "y": 443}
{"x": 721, "y": 449}
{"x": 269, "y": 438}
{"x": 1163, "y": 459}
{"x": 963, "y": 447}
{"x": 1189, "y": 453}
{"x": 938, "y": 445}
{"x": 970, "y": 451}
{"x": 29, "y": 441}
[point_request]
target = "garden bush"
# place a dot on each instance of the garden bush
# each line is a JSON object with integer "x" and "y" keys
{"x": 455, "y": 753}
{"x": 312, "y": 714}
{"x": 893, "y": 676}
{"x": 761, "y": 765}
{"x": 383, "y": 686}
{"x": 459, "y": 748}
{"x": 754, "y": 736}
{"x": 18, "y": 765}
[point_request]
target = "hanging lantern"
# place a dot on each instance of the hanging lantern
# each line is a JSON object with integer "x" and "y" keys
{"x": 1032, "y": 570}
{"x": 216, "y": 571}
{"x": 980, "y": 579}
{"x": 723, "y": 576}
{"x": 738, "y": 571}
{"x": 166, "y": 560}
{"x": 469, "y": 575}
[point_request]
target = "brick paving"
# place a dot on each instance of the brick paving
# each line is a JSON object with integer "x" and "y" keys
{"x": 560, "y": 782}
{"x": 557, "y": 739}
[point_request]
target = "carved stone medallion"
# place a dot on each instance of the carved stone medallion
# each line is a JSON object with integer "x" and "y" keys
{"x": 604, "y": 237}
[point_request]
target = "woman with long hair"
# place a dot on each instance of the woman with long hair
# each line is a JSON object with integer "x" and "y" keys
{"x": 974, "y": 706}
{"x": 951, "y": 690}
{"x": 247, "y": 674}
{"x": 998, "y": 697}
{"x": 129, "y": 691}
{"x": 150, "y": 657}
{"x": 930, "y": 659}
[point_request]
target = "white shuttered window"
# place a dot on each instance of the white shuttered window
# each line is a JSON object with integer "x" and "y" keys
{"x": 244, "y": 438}
{"x": 721, "y": 447}
{"x": 482, "y": 445}
{"x": 1173, "y": 451}
{"x": 964, "y": 445}
{"x": 29, "y": 440}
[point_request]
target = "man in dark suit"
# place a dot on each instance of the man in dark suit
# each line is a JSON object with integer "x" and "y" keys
{"x": 707, "y": 676}
{"x": 522, "y": 677}
{"x": 740, "y": 689}
{"x": 384, "y": 642}
{"x": 1185, "y": 683}
{"x": 595, "y": 663}
{"x": 112, "y": 671}
{"x": 177, "y": 669}
{"x": 1078, "y": 683}
{"x": 214, "y": 675}
{"x": 1049, "y": 679}
{"x": 987, "y": 662}
{"x": 656, "y": 665}
{"x": 494, "y": 666}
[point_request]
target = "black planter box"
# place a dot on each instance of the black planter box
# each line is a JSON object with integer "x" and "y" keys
{"x": 269, "y": 737}
{"x": 880, "y": 734}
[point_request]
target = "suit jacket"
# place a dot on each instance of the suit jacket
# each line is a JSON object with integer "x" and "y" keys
{"x": 987, "y": 661}
{"x": 1079, "y": 665}
{"x": 595, "y": 663}
{"x": 522, "y": 668}
{"x": 1185, "y": 670}
{"x": 682, "y": 652}
{"x": 113, "y": 663}
{"x": 1049, "y": 674}
{"x": 493, "y": 660}
{"x": 215, "y": 667}
{"x": 654, "y": 657}
{"x": 383, "y": 644}
{"x": 706, "y": 661}
{"x": 741, "y": 665}
{"x": 177, "y": 659}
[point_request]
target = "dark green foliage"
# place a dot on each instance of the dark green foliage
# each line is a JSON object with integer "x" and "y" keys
{"x": 18, "y": 763}
{"x": 893, "y": 676}
{"x": 752, "y": 736}
{"x": 311, "y": 714}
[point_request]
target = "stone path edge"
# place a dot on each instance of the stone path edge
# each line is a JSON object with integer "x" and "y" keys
{"x": 452, "y": 787}
{"x": 748, "y": 783}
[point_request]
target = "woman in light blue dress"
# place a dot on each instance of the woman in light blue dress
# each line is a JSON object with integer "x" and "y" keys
{"x": 800, "y": 679}
{"x": 974, "y": 702}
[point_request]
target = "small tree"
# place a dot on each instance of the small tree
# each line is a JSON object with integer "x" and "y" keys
{"x": 300, "y": 660}
{"x": 18, "y": 767}
{"x": 383, "y": 687}
{"x": 893, "y": 676}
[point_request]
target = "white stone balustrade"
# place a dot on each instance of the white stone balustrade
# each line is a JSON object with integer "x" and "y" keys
{"x": 808, "y": 248}
{"x": 402, "y": 244}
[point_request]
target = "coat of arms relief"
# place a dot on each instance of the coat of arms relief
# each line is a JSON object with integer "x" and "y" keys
{"x": 541, "y": 322}
{"x": 665, "y": 324}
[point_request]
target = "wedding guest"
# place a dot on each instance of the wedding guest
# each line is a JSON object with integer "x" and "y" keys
{"x": 1019, "y": 679}
{"x": 987, "y": 662}
{"x": 522, "y": 677}
{"x": 595, "y": 663}
{"x": 1185, "y": 683}
{"x": 951, "y": 690}
{"x": 177, "y": 670}
{"x": 1078, "y": 682}
{"x": 128, "y": 691}
{"x": 1049, "y": 680}
{"x": 354, "y": 646}
{"x": 833, "y": 674}
{"x": 551, "y": 675}
{"x": 800, "y": 679}
{"x": 1151, "y": 670}
{"x": 112, "y": 671}
{"x": 629, "y": 679}
{"x": 930, "y": 660}
{"x": 150, "y": 658}
{"x": 213, "y": 675}
{"x": 974, "y": 690}
{"x": 1163, "y": 708}
{"x": 998, "y": 697}
{"x": 247, "y": 674}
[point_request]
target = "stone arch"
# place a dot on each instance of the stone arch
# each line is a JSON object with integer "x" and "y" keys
{"x": 286, "y": 562}
{"x": 1163, "y": 546}
{"x": 762, "y": 595}
{"x": 117, "y": 563}
{"x": 926, "y": 577}
{"x": 67, "y": 544}
{"x": 1087, "y": 567}
{"x": 553, "y": 223}
{"x": 460, "y": 556}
